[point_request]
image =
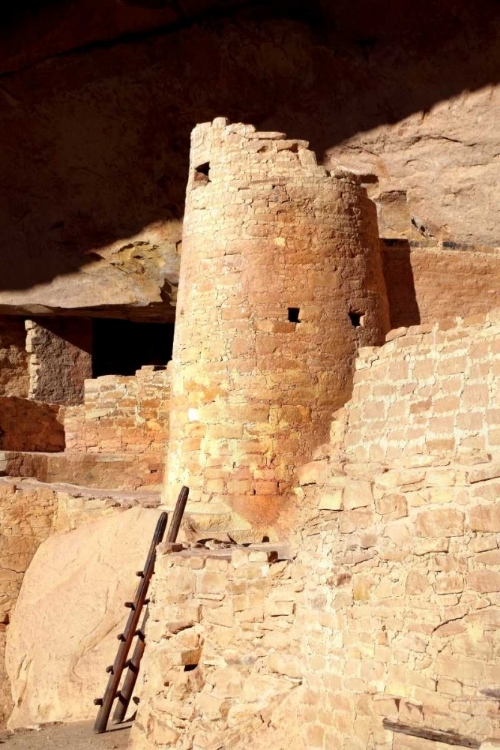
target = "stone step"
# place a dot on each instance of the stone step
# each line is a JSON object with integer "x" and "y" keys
{"x": 100, "y": 470}
{"x": 148, "y": 498}
{"x": 201, "y": 520}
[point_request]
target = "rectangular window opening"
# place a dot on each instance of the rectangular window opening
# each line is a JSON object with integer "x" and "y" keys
{"x": 121, "y": 347}
{"x": 294, "y": 314}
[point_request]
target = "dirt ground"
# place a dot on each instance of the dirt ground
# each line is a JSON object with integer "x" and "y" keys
{"x": 77, "y": 736}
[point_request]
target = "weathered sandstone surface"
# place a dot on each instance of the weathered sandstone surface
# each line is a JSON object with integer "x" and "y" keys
{"x": 93, "y": 220}
{"x": 30, "y": 512}
{"x": 14, "y": 376}
{"x": 69, "y": 612}
{"x": 388, "y": 610}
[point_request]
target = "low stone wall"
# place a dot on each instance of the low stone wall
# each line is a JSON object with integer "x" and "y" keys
{"x": 430, "y": 388}
{"x": 106, "y": 471}
{"x": 223, "y": 648}
{"x": 389, "y": 611}
{"x": 427, "y": 280}
{"x": 122, "y": 414}
{"x": 405, "y": 561}
{"x": 30, "y": 425}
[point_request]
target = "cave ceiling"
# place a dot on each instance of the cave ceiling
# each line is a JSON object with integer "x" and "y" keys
{"x": 98, "y": 98}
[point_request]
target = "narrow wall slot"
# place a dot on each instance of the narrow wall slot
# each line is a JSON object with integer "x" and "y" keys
{"x": 357, "y": 319}
{"x": 293, "y": 314}
{"x": 202, "y": 173}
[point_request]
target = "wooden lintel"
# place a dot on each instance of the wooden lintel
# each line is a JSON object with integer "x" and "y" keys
{"x": 434, "y": 735}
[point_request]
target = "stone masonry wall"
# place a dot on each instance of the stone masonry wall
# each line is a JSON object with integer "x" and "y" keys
{"x": 14, "y": 377}
{"x": 390, "y": 608}
{"x": 27, "y": 425}
{"x": 122, "y": 414}
{"x": 427, "y": 281}
{"x": 402, "y": 562}
{"x": 430, "y": 388}
{"x": 220, "y": 635}
{"x": 403, "y": 543}
{"x": 60, "y": 358}
{"x": 281, "y": 281}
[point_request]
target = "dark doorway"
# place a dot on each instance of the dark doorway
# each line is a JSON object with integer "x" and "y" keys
{"x": 120, "y": 347}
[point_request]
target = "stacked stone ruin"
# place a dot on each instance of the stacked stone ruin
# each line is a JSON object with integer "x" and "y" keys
{"x": 281, "y": 282}
{"x": 369, "y": 457}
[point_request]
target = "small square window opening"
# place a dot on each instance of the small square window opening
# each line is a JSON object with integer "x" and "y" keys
{"x": 202, "y": 174}
{"x": 294, "y": 314}
{"x": 357, "y": 319}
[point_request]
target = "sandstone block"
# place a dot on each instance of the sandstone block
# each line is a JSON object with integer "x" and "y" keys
{"x": 242, "y": 714}
{"x": 239, "y": 558}
{"x": 485, "y": 518}
{"x": 483, "y": 543}
{"x": 448, "y": 583}
{"x": 439, "y": 522}
{"x": 227, "y": 683}
{"x": 424, "y": 546}
{"x": 392, "y": 506}
{"x": 261, "y": 556}
{"x": 213, "y": 708}
{"x": 440, "y": 494}
{"x": 277, "y": 608}
{"x": 211, "y": 582}
{"x": 219, "y": 616}
{"x": 485, "y": 472}
{"x": 353, "y": 520}
{"x": 290, "y": 666}
{"x": 315, "y": 472}
{"x": 332, "y": 500}
{"x": 417, "y": 582}
{"x": 361, "y": 588}
{"x": 485, "y": 581}
{"x": 163, "y": 734}
{"x": 396, "y": 333}
{"x": 491, "y": 557}
{"x": 357, "y": 494}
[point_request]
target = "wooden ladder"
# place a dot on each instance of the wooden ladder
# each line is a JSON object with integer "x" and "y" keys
{"x": 121, "y": 662}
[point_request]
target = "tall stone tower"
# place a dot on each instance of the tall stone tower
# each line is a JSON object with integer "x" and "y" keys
{"x": 281, "y": 282}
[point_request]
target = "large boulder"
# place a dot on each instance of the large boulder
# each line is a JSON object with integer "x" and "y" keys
{"x": 64, "y": 628}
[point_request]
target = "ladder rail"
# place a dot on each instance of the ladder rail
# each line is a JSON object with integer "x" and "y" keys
{"x": 127, "y": 689}
{"x": 130, "y": 631}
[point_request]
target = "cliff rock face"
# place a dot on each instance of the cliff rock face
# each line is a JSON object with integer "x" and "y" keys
{"x": 95, "y": 123}
{"x": 69, "y": 612}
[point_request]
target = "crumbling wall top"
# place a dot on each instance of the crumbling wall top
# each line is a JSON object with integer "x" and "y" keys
{"x": 213, "y": 143}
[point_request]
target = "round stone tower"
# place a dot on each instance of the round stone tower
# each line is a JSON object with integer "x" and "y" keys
{"x": 281, "y": 282}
